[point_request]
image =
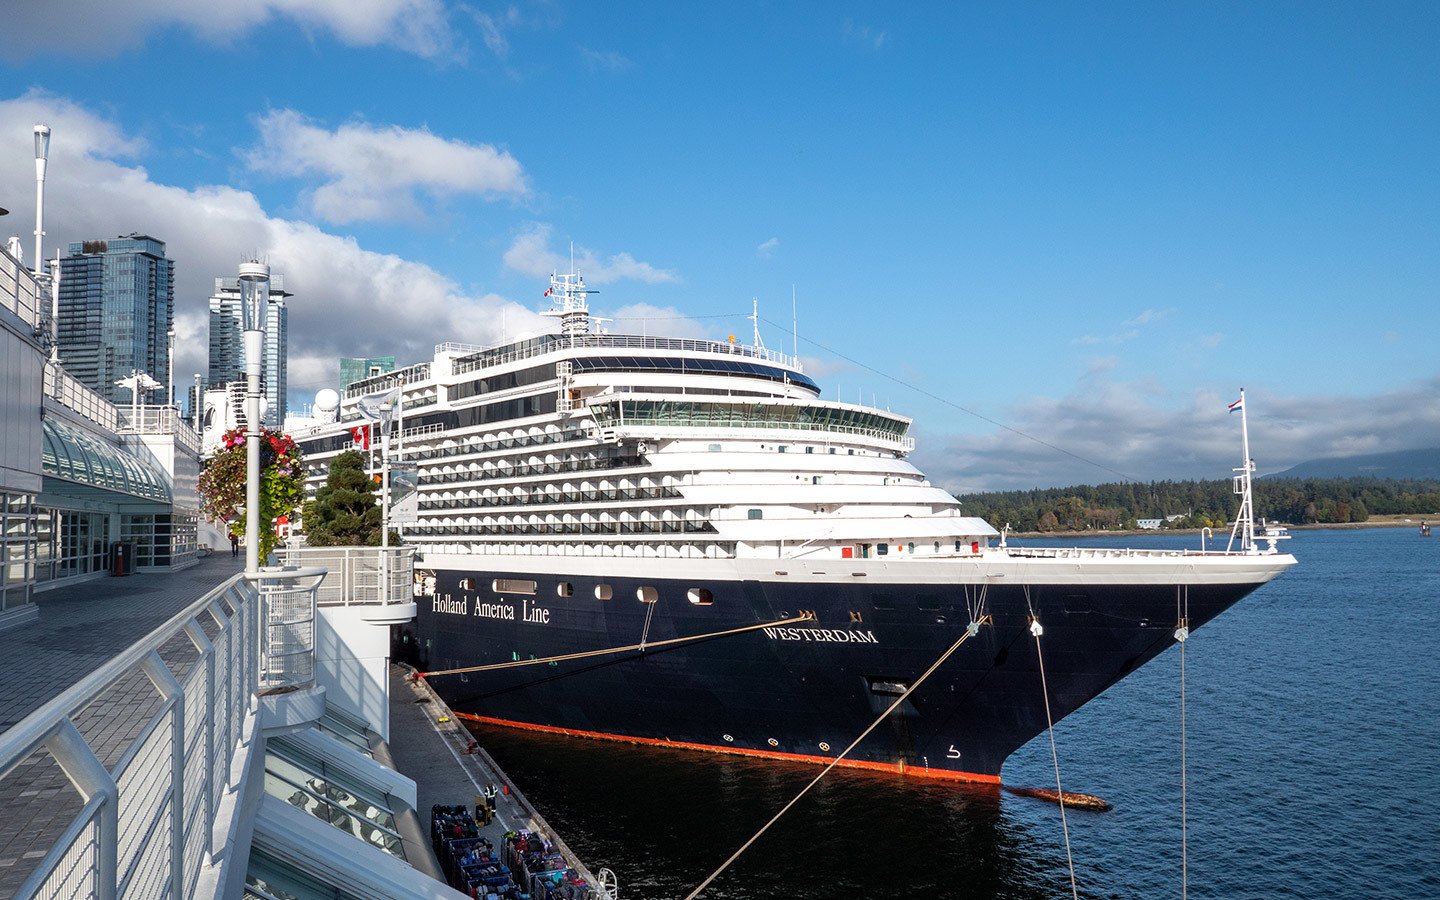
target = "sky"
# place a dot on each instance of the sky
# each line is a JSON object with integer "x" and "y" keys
{"x": 1061, "y": 237}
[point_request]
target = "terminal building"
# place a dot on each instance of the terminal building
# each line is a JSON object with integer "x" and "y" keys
{"x": 86, "y": 488}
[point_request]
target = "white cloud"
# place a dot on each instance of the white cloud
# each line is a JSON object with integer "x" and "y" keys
{"x": 605, "y": 60}
{"x": 1149, "y": 316}
{"x": 1135, "y": 430}
{"x": 1121, "y": 337}
{"x": 864, "y": 35}
{"x": 530, "y": 254}
{"x": 105, "y": 28}
{"x": 349, "y": 301}
{"x": 767, "y": 249}
{"x": 1212, "y": 340}
{"x": 493, "y": 28}
{"x": 372, "y": 172}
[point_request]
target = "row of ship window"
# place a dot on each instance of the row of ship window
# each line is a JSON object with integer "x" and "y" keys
{"x": 559, "y": 528}
{"x": 697, "y": 595}
{"x": 518, "y": 470}
{"x": 541, "y": 496}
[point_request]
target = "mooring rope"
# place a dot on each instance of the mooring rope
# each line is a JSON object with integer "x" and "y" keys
{"x": 1037, "y": 630}
{"x": 589, "y": 653}
{"x": 1182, "y": 631}
{"x": 970, "y": 632}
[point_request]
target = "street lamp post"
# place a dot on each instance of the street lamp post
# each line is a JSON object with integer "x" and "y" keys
{"x": 42, "y": 156}
{"x": 170, "y": 370}
{"x": 254, "y": 300}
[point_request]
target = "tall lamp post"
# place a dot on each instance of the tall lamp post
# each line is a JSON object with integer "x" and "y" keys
{"x": 254, "y": 303}
{"x": 42, "y": 156}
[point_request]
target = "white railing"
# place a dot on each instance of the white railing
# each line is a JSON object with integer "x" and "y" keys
{"x": 160, "y": 420}
{"x": 152, "y": 818}
{"x": 1104, "y": 552}
{"x": 287, "y": 637}
{"x": 19, "y": 290}
{"x": 145, "y": 826}
{"x": 70, "y": 392}
{"x": 359, "y": 575}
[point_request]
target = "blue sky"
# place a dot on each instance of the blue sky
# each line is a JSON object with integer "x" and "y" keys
{"x": 1092, "y": 224}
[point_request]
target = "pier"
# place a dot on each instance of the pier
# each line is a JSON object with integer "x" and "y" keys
{"x": 163, "y": 735}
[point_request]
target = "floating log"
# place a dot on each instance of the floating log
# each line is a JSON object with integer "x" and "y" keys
{"x": 1072, "y": 799}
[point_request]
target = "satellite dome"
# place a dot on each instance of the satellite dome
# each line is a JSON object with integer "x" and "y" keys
{"x": 327, "y": 399}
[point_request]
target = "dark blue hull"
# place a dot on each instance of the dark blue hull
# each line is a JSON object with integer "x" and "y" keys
{"x": 808, "y": 689}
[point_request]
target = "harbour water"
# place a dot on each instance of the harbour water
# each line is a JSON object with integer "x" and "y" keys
{"x": 1312, "y": 739}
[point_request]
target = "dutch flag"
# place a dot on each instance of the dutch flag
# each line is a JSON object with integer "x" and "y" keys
{"x": 1238, "y": 404}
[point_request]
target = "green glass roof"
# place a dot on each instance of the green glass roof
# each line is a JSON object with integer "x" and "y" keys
{"x": 81, "y": 457}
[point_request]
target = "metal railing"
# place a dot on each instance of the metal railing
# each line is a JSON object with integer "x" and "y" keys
{"x": 161, "y": 420}
{"x": 72, "y": 393}
{"x": 20, "y": 290}
{"x": 287, "y": 637}
{"x": 146, "y": 824}
{"x": 359, "y": 575}
{"x": 149, "y": 819}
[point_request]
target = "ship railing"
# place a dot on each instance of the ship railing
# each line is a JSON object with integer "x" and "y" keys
{"x": 1106, "y": 552}
{"x": 398, "y": 377}
{"x": 144, "y": 824}
{"x": 501, "y": 354}
{"x": 359, "y": 575}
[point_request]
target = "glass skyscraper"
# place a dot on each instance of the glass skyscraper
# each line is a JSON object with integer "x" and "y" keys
{"x": 117, "y": 304}
{"x": 227, "y": 344}
{"x": 358, "y": 368}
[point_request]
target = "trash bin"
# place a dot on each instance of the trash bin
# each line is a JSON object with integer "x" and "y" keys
{"x": 122, "y": 559}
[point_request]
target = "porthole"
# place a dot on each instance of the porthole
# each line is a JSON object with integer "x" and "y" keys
{"x": 824, "y": 746}
{"x": 647, "y": 595}
{"x": 700, "y": 596}
{"x": 772, "y": 742}
{"x": 729, "y": 739}
{"x": 565, "y": 589}
{"x": 603, "y": 592}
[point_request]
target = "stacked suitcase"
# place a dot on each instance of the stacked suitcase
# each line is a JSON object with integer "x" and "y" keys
{"x": 530, "y": 867}
{"x": 538, "y": 867}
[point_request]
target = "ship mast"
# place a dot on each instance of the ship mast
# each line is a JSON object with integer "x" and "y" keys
{"x": 568, "y": 293}
{"x": 1244, "y": 528}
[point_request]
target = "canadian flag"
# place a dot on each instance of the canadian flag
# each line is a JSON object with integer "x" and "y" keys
{"x": 361, "y": 433}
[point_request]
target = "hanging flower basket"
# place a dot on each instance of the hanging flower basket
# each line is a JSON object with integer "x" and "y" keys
{"x": 282, "y": 483}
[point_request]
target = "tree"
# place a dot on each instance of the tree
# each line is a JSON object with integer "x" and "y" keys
{"x": 346, "y": 511}
{"x": 282, "y": 482}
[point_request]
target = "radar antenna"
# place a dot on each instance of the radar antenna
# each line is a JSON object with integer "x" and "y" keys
{"x": 568, "y": 293}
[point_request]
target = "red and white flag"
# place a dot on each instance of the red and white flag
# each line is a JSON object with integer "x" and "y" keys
{"x": 361, "y": 433}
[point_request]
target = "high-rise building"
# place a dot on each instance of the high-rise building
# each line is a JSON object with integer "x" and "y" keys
{"x": 117, "y": 304}
{"x": 227, "y": 343}
{"x": 357, "y": 368}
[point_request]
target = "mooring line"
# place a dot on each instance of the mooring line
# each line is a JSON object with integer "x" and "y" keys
{"x": 513, "y": 664}
{"x": 970, "y": 632}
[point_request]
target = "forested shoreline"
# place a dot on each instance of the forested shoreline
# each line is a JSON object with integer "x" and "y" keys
{"x": 1200, "y": 504}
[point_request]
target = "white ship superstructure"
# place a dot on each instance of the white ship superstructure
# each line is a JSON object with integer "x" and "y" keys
{"x": 585, "y": 444}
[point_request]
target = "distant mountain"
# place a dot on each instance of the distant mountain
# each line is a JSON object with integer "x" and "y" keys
{"x": 1413, "y": 464}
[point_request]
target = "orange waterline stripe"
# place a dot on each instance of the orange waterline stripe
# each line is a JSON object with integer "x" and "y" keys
{"x": 916, "y": 771}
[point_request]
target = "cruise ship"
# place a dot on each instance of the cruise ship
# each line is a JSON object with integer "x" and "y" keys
{"x": 678, "y": 542}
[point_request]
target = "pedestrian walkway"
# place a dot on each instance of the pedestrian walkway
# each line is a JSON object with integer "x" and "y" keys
{"x": 80, "y": 628}
{"x": 449, "y": 770}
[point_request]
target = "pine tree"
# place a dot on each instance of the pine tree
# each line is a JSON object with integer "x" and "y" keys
{"x": 346, "y": 511}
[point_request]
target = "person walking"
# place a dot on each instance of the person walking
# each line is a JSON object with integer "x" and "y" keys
{"x": 234, "y": 544}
